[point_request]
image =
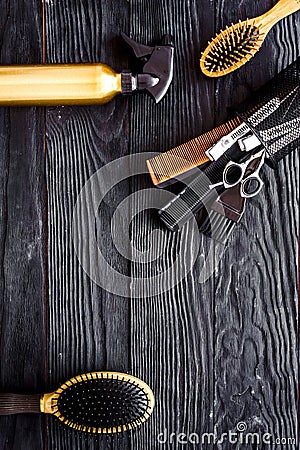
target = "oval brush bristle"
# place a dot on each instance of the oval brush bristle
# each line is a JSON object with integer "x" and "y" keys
{"x": 231, "y": 48}
{"x": 102, "y": 402}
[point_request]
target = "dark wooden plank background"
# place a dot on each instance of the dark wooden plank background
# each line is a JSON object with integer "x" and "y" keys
{"x": 22, "y": 232}
{"x": 215, "y": 354}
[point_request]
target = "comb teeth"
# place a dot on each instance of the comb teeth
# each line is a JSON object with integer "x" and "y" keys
{"x": 231, "y": 48}
{"x": 179, "y": 161}
{"x": 218, "y": 227}
{"x": 195, "y": 197}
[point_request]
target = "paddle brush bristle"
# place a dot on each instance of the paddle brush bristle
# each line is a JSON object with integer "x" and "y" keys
{"x": 103, "y": 403}
{"x": 231, "y": 48}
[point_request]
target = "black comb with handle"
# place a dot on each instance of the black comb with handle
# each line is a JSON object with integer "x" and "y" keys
{"x": 198, "y": 193}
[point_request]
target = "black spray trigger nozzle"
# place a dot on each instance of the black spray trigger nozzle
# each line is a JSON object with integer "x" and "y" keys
{"x": 140, "y": 50}
{"x": 157, "y": 71}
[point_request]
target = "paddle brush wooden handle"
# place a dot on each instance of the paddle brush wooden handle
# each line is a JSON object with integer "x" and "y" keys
{"x": 282, "y": 9}
{"x": 19, "y": 404}
{"x": 58, "y": 84}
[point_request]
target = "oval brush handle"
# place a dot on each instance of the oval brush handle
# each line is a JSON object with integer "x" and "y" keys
{"x": 281, "y": 10}
{"x": 19, "y": 404}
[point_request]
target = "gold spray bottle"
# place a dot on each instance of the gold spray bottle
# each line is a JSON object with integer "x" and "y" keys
{"x": 69, "y": 84}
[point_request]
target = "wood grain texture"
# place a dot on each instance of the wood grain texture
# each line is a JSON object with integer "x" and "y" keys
{"x": 172, "y": 333}
{"x": 88, "y": 327}
{"x": 224, "y": 352}
{"x": 21, "y": 232}
{"x": 256, "y": 303}
{"x": 216, "y": 353}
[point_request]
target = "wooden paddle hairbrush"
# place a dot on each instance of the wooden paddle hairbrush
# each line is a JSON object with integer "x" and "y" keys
{"x": 236, "y": 45}
{"x": 96, "y": 402}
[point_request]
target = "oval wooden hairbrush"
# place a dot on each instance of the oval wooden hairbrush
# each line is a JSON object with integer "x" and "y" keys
{"x": 236, "y": 45}
{"x": 96, "y": 402}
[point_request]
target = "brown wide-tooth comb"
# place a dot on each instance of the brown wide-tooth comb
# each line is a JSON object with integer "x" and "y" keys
{"x": 177, "y": 163}
{"x": 236, "y": 45}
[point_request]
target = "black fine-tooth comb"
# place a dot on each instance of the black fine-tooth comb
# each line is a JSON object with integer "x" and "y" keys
{"x": 95, "y": 402}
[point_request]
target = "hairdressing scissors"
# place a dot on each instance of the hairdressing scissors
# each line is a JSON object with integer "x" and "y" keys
{"x": 246, "y": 174}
